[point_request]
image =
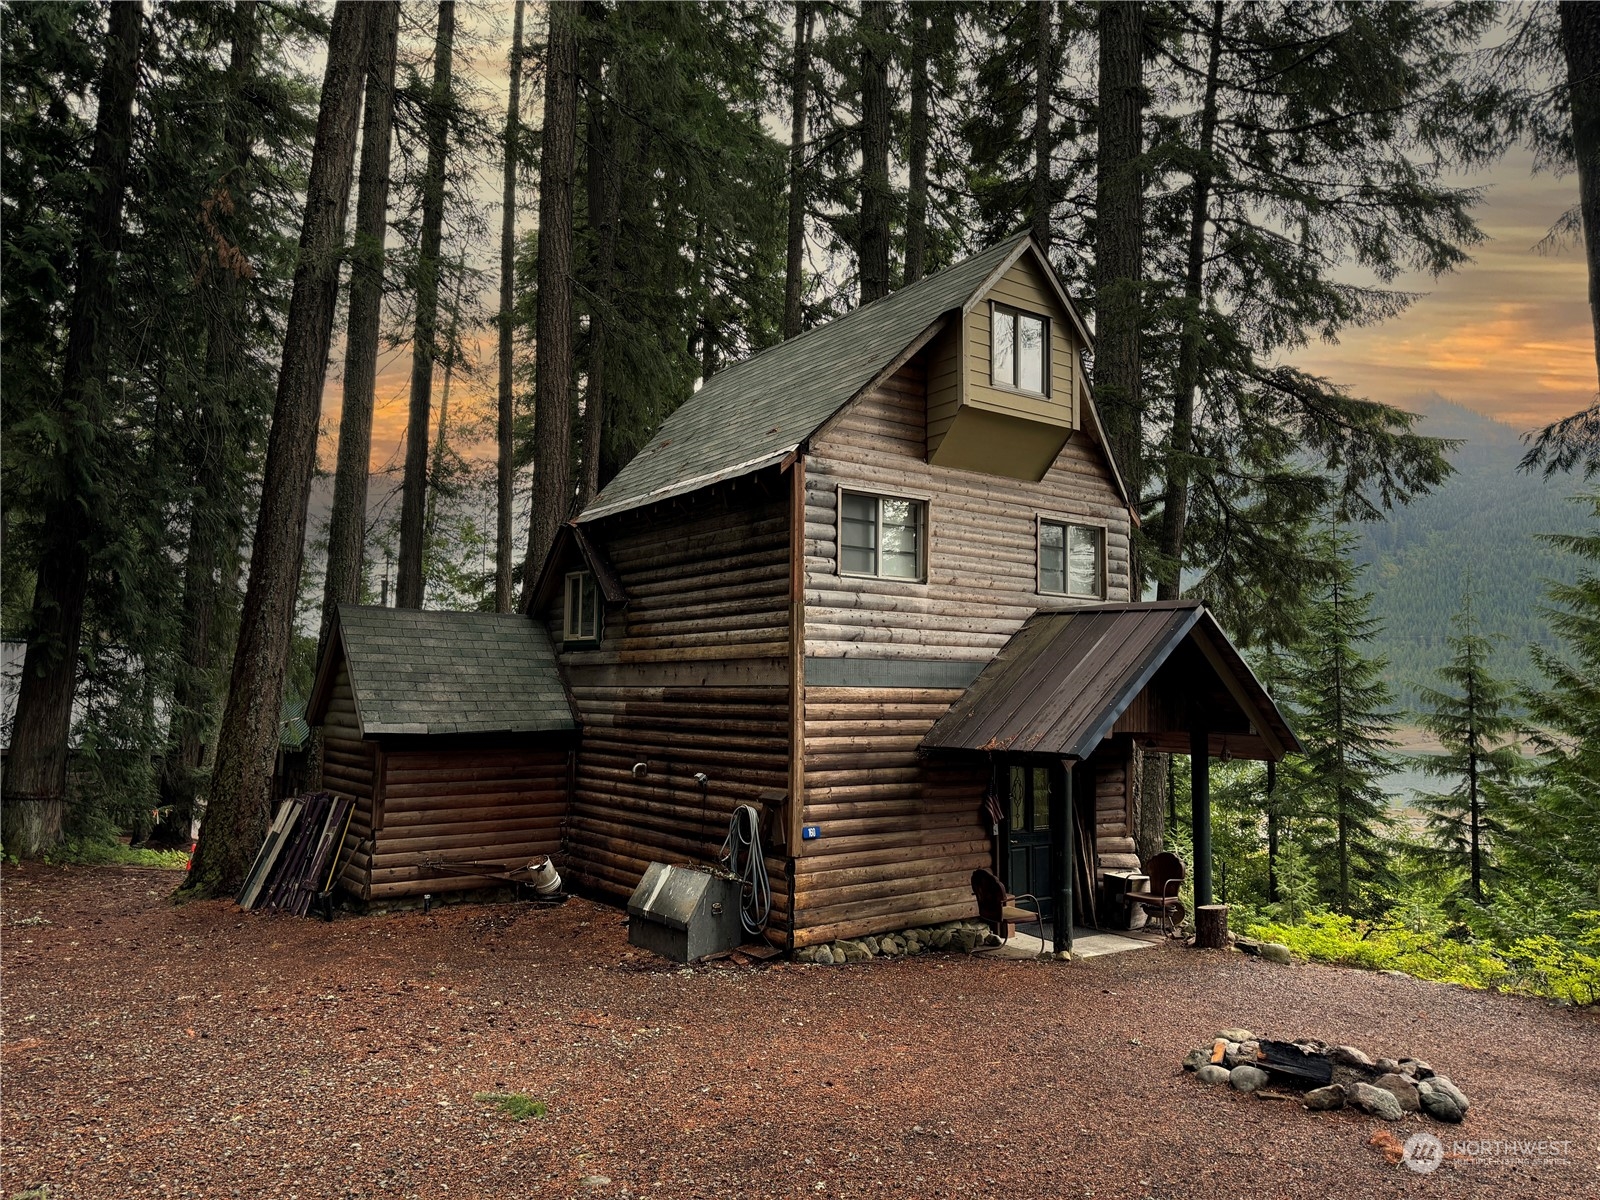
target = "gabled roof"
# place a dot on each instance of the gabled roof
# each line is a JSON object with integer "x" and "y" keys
{"x": 1059, "y": 685}
{"x": 571, "y": 536}
{"x": 430, "y": 672}
{"x": 755, "y": 413}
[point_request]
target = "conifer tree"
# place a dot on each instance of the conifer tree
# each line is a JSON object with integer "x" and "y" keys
{"x": 505, "y": 449}
{"x": 1346, "y": 715}
{"x": 1471, "y": 715}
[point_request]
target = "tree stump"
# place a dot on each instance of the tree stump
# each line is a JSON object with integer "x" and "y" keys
{"x": 1211, "y": 926}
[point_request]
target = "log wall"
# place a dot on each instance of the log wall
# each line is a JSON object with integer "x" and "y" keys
{"x": 691, "y": 676}
{"x": 350, "y": 767}
{"x": 901, "y": 835}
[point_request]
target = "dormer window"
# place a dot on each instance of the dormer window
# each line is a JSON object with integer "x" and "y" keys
{"x": 1019, "y": 350}
{"x": 580, "y": 619}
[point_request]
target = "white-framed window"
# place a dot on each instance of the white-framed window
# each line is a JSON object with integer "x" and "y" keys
{"x": 580, "y": 617}
{"x": 1071, "y": 559}
{"x": 883, "y": 536}
{"x": 1019, "y": 350}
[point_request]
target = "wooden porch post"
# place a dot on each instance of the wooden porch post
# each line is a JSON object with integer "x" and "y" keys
{"x": 1200, "y": 799}
{"x": 1062, "y": 853}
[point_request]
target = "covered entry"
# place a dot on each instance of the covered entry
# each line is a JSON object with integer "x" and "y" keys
{"x": 1069, "y": 684}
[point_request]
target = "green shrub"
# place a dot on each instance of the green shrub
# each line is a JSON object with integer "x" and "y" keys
{"x": 94, "y": 852}
{"x": 514, "y": 1104}
{"x": 1539, "y": 965}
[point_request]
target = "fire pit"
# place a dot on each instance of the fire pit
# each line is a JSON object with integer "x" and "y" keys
{"x": 1328, "y": 1077}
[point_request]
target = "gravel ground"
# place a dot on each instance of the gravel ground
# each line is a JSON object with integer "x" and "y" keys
{"x": 151, "y": 1050}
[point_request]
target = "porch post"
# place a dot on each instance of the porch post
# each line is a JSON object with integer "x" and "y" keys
{"x": 1200, "y": 799}
{"x": 1062, "y": 854}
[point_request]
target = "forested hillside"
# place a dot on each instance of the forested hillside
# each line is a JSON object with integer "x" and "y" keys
{"x": 1479, "y": 529}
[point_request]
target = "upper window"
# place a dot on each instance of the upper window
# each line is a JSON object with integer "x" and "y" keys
{"x": 1071, "y": 559}
{"x": 580, "y": 619}
{"x": 1019, "y": 350}
{"x": 882, "y": 536}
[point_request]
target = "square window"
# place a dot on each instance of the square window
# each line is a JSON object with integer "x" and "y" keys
{"x": 580, "y": 618}
{"x": 1071, "y": 559}
{"x": 881, "y": 536}
{"x": 1019, "y": 350}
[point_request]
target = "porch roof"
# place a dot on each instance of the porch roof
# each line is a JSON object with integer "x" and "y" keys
{"x": 1066, "y": 680}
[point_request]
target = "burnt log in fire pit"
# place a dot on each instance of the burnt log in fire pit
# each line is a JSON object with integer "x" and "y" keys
{"x": 1287, "y": 1060}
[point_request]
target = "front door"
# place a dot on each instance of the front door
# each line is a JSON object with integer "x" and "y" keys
{"x": 1028, "y": 832}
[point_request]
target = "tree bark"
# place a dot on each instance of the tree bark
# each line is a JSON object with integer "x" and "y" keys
{"x": 552, "y": 406}
{"x": 241, "y": 783}
{"x": 411, "y": 584}
{"x": 917, "y": 149}
{"x": 605, "y": 201}
{"x": 872, "y": 244}
{"x": 799, "y": 82}
{"x": 1580, "y": 43}
{"x": 347, "y": 527}
{"x": 1044, "y": 77}
{"x": 504, "y": 419}
{"x": 216, "y": 522}
{"x": 441, "y": 440}
{"x": 36, "y": 769}
{"x": 1119, "y": 217}
{"x": 1180, "y": 466}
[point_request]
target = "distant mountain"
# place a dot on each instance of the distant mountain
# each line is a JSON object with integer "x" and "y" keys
{"x": 1482, "y": 526}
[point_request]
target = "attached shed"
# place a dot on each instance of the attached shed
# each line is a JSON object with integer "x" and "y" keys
{"x": 453, "y": 734}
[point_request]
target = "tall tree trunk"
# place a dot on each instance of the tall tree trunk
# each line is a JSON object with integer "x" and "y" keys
{"x": 1272, "y": 831}
{"x": 872, "y": 243}
{"x": 36, "y": 770}
{"x": 917, "y": 149}
{"x": 241, "y": 783}
{"x": 411, "y": 584}
{"x": 1180, "y": 465}
{"x": 1580, "y": 42}
{"x": 1119, "y": 255}
{"x": 441, "y": 440}
{"x": 1044, "y": 79}
{"x": 216, "y": 513}
{"x": 508, "y": 256}
{"x": 347, "y": 527}
{"x": 552, "y": 383}
{"x": 799, "y": 82}
{"x": 605, "y": 201}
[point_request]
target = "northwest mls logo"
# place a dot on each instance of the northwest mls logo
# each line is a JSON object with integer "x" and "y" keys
{"x": 1423, "y": 1153}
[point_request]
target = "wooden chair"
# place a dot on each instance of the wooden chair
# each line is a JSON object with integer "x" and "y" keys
{"x": 1000, "y": 908}
{"x": 1166, "y": 881}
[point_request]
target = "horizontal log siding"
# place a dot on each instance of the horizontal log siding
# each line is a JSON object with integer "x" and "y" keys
{"x": 982, "y": 554}
{"x": 464, "y": 806}
{"x": 1110, "y": 767}
{"x": 690, "y": 677}
{"x": 349, "y": 767}
{"x": 901, "y": 835}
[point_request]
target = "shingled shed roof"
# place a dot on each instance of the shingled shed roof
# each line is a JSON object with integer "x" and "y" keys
{"x": 1059, "y": 685}
{"x": 754, "y": 413}
{"x": 428, "y": 672}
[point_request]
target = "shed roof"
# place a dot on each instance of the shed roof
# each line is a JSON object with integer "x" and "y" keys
{"x": 1062, "y": 681}
{"x": 432, "y": 672}
{"x": 755, "y": 412}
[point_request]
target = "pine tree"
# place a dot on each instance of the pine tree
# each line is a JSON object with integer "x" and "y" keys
{"x": 799, "y": 103}
{"x": 505, "y": 449}
{"x": 236, "y": 811}
{"x": 1472, "y": 717}
{"x": 1346, "y": 716}
{"x": 873, "y": 225}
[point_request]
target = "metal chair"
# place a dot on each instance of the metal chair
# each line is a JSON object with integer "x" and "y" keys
{"x": 1166, "y": 874}
{"x": 1001, "y": 909}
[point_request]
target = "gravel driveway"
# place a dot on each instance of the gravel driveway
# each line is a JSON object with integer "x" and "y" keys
{"x": 151, "y": 1050}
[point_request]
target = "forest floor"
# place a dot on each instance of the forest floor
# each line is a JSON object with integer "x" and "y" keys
{"x": 154, "y": 1050}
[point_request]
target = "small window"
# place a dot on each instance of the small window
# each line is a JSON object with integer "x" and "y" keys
{"x": 1071, "y": 559}
{"x": 580, "y": 620}
{"x": 881, "y": 536}
{"x": 1019, "y": 350}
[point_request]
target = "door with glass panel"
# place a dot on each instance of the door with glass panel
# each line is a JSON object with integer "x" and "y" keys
{"x": 1027, "y": 832}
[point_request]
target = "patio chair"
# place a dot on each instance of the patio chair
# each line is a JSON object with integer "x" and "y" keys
{"x": 1166, "y": 874}
{"x": 1001, "y": 909}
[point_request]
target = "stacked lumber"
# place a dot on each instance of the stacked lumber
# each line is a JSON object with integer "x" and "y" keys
{"x": 297, "y": 862}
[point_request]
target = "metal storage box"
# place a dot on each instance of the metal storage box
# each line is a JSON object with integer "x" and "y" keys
{"x": 683, "y": 913}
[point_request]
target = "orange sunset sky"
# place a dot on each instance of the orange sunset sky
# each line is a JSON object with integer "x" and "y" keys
{"x": 1508, "y": 334}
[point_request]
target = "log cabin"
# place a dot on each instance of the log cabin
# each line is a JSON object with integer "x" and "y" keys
{"x": 874, "y": 583}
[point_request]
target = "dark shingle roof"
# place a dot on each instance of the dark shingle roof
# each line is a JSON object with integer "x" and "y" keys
{"x": 755, "y": 412}
{"x": 420, "y": 672}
